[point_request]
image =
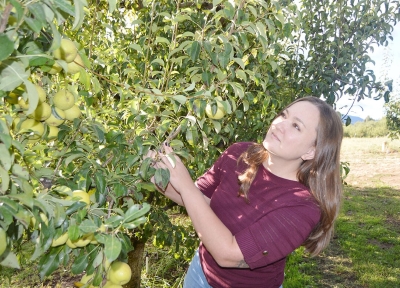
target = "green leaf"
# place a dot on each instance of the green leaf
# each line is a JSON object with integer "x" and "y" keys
{"x": 99, "y": 133}
{"x": 120, "y": 190}
{"x": 84, "y": 79}
{"x": 241, "y": 75}
{"x": 34, "y": 24}
{"x": 79, "y": 13}
{"x": 191, "y": 87}
{"x": 65, "y": 6}
{"x": 114, "y": 221}
{"x": 158, "y": 61}
{"x": 239, "y": 90}
{"x": 100, "y": 182}
{"x": 5, "y": 180}
{"x": 56, "y": 37}
{"x": 5, "y": 158}
{"x": 112, "y": 247}
{"x": 7, "y": 47}
{"x": 75, "y": 155}
{"x": 180, "y": 98}
{"x": 161, "y": 178}
{"x": 11, "y": 204}
{"x": 11, "y": 261}
{"x": 12, "y": 75}
{"x": 112, "y": 4}
{"x": 144, "y": 168}
{"x": 75, "y": 207}
{"x": 18, "y": 8}
{"x": 59, "y": 215}
{"x": 136, "y": 211}
{"x": 88, "y": 226}
{"x": 19, "y": 171}
{"x": 240, "y": 62}
{"x": 6, "y": 214}
{"x": 73, "y": 232}
{"x": 195, "y": 51}
{"x": 49, "y": 263}
{"x": 33, "y": 96}
{"x": 225, "y": 57}
{"x": 217, "y": 126}
{"x": 38, "y": 12}
{"x": 136, "y": 47}
{"x": 162, "y": 40}
{"x": 80, "y": 263}
{"x": 24, "y": 198}
{"x": 386, "y": 96}
{"x": 41, "y": 61}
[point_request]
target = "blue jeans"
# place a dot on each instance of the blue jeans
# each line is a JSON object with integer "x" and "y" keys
{"x": 195, "y": 277}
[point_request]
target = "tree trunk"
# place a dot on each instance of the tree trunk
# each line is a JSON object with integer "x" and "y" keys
{"x": 135, "y": 261}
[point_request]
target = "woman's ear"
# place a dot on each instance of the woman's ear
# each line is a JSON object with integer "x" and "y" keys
{"x": 309, "y": 155}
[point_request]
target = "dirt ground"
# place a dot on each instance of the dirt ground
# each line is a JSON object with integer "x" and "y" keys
{"x": 373, "y": 162}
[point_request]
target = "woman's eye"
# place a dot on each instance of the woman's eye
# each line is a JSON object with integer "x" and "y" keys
{"x": 296, "y": 126}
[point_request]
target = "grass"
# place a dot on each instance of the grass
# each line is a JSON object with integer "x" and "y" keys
{"x": 364, "y": 252}
{"x": 365, "y": 249}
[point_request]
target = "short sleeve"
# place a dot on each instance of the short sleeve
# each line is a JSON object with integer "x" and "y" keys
{"x": 209, "y": 181}
{"x": 277, "y": 234}
{"x": 226, "y": 165}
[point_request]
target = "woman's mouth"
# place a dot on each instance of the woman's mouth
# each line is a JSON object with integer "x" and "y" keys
{"x": 275, "y": 137}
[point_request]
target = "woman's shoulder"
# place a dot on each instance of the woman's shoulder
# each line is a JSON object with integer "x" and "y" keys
{"x": 239, "y": 147}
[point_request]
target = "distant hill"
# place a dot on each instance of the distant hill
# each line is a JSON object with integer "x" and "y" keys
{"x": 354, "y": 119}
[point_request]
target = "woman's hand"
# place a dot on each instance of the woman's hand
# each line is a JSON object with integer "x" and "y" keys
{"x": 180, "y": 178}
{"x": 169, "y": 191}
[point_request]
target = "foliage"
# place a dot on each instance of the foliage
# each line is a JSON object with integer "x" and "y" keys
{"x": 393, "y": 118}
{"x": 367, "y": 129}
{"x": 148, "y": 71}
{"x": 332, "y": 52}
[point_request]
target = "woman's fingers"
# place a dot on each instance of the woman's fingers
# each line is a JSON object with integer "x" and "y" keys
{"x": 168, "y": 159}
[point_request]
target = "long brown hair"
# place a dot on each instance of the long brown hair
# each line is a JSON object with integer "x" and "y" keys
{"x": 320, "y": 174}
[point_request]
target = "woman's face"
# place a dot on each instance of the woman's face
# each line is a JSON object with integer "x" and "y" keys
{"x": 293, "y": 133}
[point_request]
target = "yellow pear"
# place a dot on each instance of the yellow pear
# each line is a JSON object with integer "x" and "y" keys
{"x": 218, "y": 114}
{"x": 56, "y": 118}
{"x": 119, "y": 273}
{"x": 23, "y": 104}
{"x": 42, "y": 112}
{"x": 55, "y": 69}
{"x": 72, "y": 113}
{"x": 41, "y": 93}
{"x": 81, "y": 195}
{"x": 76, "y": 65}
{"x": 12, "y": 98}
{"x": 53, "y": 132}
{"x": 67, "y": 51}
{"x": 63, "y": 99}
{"x": 60, "y": 240}
{"x": 31, "y": 124}
{"x": 3, "y": 241}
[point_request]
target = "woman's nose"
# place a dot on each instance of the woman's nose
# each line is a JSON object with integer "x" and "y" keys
{"x": 280, "y": 125}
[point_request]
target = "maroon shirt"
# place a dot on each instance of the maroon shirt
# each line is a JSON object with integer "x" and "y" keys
{"x": 280, "y": 216}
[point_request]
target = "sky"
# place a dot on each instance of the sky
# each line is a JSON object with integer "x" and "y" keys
{"x": 370, "y": 107}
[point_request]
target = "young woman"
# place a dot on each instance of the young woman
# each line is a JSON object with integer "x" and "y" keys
{"x": 259, "y": 202}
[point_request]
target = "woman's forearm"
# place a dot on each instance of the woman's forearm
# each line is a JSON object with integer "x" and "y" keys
{"x": 216, "y": 237}
{"x": 172, "y": 194}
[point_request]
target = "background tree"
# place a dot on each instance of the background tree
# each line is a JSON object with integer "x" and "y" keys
{"x": 200, "y": 75}
{"x": 393, "y": 118}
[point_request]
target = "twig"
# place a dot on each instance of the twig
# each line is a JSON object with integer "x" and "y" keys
{"x": 4, "y": 17}
{"x": 174, "y": 134}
